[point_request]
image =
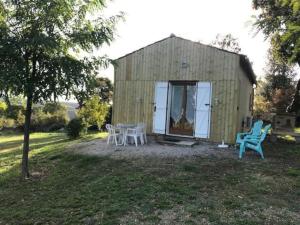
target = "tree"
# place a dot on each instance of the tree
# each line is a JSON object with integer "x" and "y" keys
{"x": 104, "y": 88}
{"x": 281, "y": 99}
{"x": 261, "y": 104}
{"x": 279, "y": 20}
{"x": 279, "y": 86}
{"x": 93, "y": 111}
{"x": 100, "y": 86}
{"x": 227, "y": 42}
{"x": 40, "y": 45}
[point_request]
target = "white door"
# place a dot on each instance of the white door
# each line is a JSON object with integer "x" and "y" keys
{"x": 203, "y": 110}
{"x": 160, "y": 107}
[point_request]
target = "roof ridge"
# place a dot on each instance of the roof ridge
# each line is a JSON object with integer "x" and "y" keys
{"x": 244, "y": 58}
{"x": 185, "y": 39}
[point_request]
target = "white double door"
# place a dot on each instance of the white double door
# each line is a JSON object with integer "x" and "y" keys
{"x": 182, "y": 108}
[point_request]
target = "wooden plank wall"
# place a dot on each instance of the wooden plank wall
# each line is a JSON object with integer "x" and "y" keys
{"x": 245, "y": 90}
{"x": 136, "y": 73}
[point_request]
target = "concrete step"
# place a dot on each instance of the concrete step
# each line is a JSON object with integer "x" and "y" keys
{"x": 177, "y": 141}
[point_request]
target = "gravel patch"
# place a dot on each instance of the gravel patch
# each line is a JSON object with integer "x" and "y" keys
{"x": 151, "y": 149}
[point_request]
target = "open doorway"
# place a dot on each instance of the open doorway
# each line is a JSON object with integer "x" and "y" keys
{"x": 182, "y": 108}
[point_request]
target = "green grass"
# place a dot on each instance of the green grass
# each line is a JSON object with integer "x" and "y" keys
{"x": 73, "y": 189}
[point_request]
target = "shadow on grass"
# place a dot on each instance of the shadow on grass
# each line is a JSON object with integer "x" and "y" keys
{"x": 33, "y": 140}
{"x": 76, "y": 189}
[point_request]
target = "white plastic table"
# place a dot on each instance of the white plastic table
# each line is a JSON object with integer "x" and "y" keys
{"x": 123, "y": 127}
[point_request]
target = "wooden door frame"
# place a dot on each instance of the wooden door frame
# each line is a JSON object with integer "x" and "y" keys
{"x": 169, "y": 102}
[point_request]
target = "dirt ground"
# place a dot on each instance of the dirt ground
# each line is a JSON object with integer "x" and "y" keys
{"x": 152, "y": 149}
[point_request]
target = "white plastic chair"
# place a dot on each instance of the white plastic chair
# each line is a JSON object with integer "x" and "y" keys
{"x": 143, "y": 126}
{"x": 114, "y": 133}
{"x": 135, "y": 133}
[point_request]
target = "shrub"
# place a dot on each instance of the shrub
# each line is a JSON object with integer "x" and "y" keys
{"x": 94, "y": 112}
{"x": 54, "y": 107}
{"x": 20, "y": 119}
{"x": 11, "y": 117}
{"x": 14, "y": 111}
{"x": 38, "y": 119}
{"x": 7, "y": 123}
{"x": 51, "y": 117}
{"x": 2, "y": 122}
{"x": 57, "y": 120}
{"x": 75, "y": 128}
{"x": 3, "y": 108}
{"x": 46, "y": 121}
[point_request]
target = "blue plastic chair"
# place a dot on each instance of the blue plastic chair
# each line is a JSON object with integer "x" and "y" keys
{"x": 254, "y": 132}
{"x": 254, "y": 143}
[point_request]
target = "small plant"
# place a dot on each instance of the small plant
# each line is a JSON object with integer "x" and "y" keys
{"x": 75, "y": 128}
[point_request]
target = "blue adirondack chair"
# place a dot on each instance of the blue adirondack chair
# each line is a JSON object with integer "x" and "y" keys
{"x": 254, "y": 143}
{"x": 254, "y": 132}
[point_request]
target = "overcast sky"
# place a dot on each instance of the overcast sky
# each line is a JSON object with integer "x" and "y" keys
{"x": 147, "y": 21}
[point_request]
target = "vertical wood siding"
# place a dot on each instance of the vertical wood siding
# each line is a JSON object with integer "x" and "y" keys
{"x": 177, "y": 59}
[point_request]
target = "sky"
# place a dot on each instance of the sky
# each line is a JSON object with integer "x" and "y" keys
{"x": 147, "y": 21}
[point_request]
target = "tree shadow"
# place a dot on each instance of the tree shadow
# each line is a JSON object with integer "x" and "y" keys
{"x": 11, "y": 154}
{"x": 66, "y": 188}
{"x": 18, "y": 143}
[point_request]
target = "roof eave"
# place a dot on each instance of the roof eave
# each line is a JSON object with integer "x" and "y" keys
{"x": 247, "y": 67}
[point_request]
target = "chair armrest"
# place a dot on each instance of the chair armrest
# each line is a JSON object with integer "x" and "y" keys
{"x": 249, "y": 137}
{"x": 242, "y": 135}
{"x": 253, "y": 140}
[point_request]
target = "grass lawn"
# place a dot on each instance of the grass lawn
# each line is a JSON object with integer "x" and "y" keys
{"x": 73, "y": 189}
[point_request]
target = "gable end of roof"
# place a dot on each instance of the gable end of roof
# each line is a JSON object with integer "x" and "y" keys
{"x": 244, "y": 61}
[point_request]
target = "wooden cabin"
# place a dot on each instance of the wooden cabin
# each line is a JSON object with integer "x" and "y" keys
{"x": 183, "y": 88}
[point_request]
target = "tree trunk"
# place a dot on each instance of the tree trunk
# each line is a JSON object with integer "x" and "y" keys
{"x": 25, "y": 169}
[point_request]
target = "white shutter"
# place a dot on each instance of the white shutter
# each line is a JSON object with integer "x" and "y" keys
{"x": 203, "y": 110}
{"x": 160, "y": 107}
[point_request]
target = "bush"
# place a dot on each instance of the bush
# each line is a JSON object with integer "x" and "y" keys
{"x": 20, "y": 119}
{"x": 57, "y": 121}
{"x": 94, "y": 112}
{"x": 45, "y": 121}
{"x": 50, "y": 117}
{"x": 75, "y": 128}
{"x": 54, "y": 107}
{"x": 14, "y": 111}
{"x": 7, "y": 123}
{"x": 3, "y": 108}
